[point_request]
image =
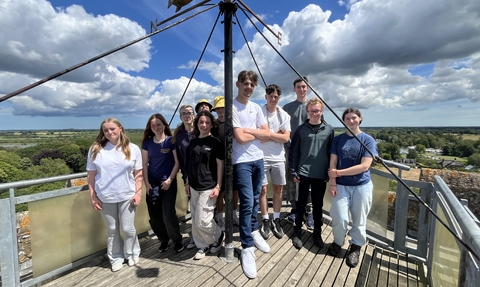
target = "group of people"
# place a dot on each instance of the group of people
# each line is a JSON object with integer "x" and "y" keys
{"x": 291, "y": 146}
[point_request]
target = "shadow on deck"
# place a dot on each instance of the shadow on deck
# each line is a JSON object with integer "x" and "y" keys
{"x": 283, "y": 266}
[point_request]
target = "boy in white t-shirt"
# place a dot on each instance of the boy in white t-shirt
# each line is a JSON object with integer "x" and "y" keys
{"x": 274, "y": 160}
{"x": 249, "y": 126}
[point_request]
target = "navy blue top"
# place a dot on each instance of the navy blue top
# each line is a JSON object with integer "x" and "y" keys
{"x": 160, "y": 159}
{"x": 350, "y": 152}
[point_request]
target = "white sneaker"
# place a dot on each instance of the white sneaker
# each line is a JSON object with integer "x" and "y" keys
{"x": 248, "y": 262}
{"x": 117, "y": 266}
{"x": 133, "y": 261}
{"x": 201, "y": 253}
{"x": 235, "y": 218}
{"x": 259, "y": 242}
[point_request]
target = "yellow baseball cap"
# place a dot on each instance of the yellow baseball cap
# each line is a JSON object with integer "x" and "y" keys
{"x": 218, "y": 102}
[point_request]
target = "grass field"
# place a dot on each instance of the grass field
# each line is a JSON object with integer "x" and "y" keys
{"x": 470, "y": 137}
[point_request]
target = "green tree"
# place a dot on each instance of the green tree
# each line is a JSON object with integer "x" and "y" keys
{"x": 420, "y": 148}
{"x": 413, "y": 154}
{"x": 474, "y": 159}
{"x": 73, "y": 157}
{"x": 389, "y": 148}
{"x": 9, "y": 173}
{"x": 11, "y": 158}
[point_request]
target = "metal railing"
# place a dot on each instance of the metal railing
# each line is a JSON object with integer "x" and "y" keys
{"x": 430, "y": 244}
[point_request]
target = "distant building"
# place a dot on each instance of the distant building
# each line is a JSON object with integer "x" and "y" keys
{"x": 471, "y": 168}
{"x": 450, "y": 164}
{"x": 408, "y": 161}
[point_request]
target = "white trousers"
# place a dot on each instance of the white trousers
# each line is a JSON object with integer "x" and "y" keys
{"x": 205, "y": 230}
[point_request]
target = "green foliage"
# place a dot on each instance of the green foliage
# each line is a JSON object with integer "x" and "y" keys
{"x": 412, "y": 153}
{"x": 392, "y": 185}
{"x": 474, "y": 159}
{"x": 389, "y": 148}
{"x": 9, "y": 173}
{"x": 386, "y": 156}
{"x": 10, "y": 158}
{"x": 420, "y": 148}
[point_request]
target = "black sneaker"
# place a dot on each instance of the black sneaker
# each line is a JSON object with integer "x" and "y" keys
{"x": 163, "y": 247}
{"x": 178, "y": 247}
{"x": 276, "y": 228}
{"x": 296, "y": 239}
{"x": 317, "y": 238}
{"x": 353, "y": 256}
{"x": 217, "y": 245}
{"x": 334, "y": 249}
{"x": 265, "y": 229}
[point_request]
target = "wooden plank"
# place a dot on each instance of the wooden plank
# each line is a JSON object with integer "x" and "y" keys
{"x": 283, "y": 266}
{"x": 372, "y": 280}
{"x": 361, "y": 279}
{"x": 412, "y": 273}
{"x": 310, "y": 259}
{"x": 290, "y": 274}
{"x": 383, "y": 269}
{"x": 331, "y": 270}
{"x": 345, "y": 272}
{"x": 276, "y": 265}
{"x": 266, "y": 261}
{"x": 393, "y": 270}
{"x": 402, "y": 271}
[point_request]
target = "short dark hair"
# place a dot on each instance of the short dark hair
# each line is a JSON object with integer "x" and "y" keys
{"x": 297, "y": 80}
{"x": 273, "y": 88}
{"x": 351, "y": 110}
{"x": 248, "y": 75}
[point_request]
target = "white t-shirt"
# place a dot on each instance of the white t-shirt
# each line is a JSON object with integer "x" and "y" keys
{"x": 247, "y": 116}
{"x": 114, "y": 181}
{"x": 277, "y": 121}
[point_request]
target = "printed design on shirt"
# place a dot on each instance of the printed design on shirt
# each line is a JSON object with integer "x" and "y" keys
{"x": 350, "y": 150}
{"x": 165, "y": 150}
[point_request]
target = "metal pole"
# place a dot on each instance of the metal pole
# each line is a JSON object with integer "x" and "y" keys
{"x": 228, "y": 8}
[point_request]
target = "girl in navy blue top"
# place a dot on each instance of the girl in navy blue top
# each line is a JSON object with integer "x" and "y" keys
{"x": 350, "y": 185}
{"x": 161, "y": 166}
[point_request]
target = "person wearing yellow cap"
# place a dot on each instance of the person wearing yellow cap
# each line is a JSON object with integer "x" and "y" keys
{"x": 203, "y": 104}
{"x": 219, "y": 108}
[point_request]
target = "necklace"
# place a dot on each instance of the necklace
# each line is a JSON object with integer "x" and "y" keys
{"x": 155, "y": 140}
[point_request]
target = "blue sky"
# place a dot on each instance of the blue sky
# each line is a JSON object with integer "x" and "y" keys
{"x": 402, "y": 63}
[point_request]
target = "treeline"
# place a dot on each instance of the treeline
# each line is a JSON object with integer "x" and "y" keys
{"x": 461, "y": 142}
{"x": 58, "y": 155}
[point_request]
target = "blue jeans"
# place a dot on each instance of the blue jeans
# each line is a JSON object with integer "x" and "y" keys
{"x": 357, "y": 200}
{"x": 248, "y": 178}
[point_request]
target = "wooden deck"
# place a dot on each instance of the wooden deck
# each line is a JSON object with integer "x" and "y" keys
{"x": 283, "y": 266}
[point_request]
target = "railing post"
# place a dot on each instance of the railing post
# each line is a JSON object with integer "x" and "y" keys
{"x": 401, "y": 216}
{"x": 8, "y": 242}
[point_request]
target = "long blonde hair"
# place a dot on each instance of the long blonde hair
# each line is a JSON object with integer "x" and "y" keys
{"x": 101, "y": 140}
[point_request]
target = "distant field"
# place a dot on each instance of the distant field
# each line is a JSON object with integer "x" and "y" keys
{"x": 447, "y": 157}
{"x": 471, "y": 137}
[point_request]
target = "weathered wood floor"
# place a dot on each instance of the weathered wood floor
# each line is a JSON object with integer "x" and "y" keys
{"x": 283, "y": 266}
